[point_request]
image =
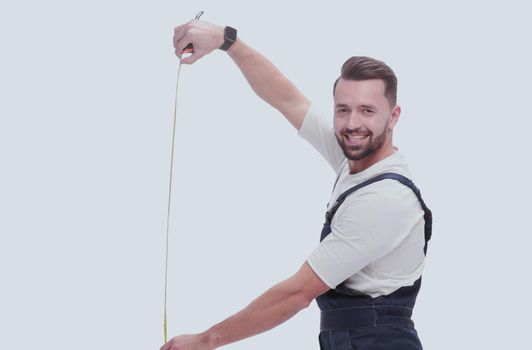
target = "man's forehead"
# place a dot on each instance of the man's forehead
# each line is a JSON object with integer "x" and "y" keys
{"x": 349, "y": 91}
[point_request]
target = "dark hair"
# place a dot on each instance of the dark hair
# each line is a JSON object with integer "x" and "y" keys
{"x": 365, "y": 68}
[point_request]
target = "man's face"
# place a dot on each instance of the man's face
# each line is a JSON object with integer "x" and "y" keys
{"x": 363, "y": 117}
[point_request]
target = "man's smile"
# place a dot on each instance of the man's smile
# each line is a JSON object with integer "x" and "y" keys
{"x": 354, "y": 139}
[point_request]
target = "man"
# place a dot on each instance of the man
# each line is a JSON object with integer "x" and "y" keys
{"x": 366, "y": 271}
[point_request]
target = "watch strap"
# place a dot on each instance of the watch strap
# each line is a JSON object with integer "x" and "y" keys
{"x": 229, "y": 38}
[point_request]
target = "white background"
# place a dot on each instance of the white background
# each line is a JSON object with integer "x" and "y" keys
{"x": 86, "y": 93}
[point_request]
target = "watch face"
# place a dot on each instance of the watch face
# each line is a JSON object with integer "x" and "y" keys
{"x": 231, "y": 33}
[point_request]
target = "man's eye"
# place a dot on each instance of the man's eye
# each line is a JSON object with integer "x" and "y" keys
{"x": 368, "y": 111}
{"x": 342, "y": 110}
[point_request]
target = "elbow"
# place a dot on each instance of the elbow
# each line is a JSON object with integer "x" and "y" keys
{"x": 306, "y": 286}
{"x": 304, "y": 300}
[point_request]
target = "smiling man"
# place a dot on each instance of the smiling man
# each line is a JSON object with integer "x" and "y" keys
{"x": 365, "y": 273}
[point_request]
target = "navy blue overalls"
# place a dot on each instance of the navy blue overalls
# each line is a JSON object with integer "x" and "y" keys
{"x": 351, "y": 320}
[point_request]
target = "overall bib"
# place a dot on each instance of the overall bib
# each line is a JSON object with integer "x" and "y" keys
{"x": 352, "y": 320}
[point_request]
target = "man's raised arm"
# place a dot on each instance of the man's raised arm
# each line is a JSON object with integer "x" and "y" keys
{"x": 263, "y": 77}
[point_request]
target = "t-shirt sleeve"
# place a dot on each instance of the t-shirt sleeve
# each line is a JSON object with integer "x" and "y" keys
{"x": 319, "y": 132}
{"x": 362, "y": 231}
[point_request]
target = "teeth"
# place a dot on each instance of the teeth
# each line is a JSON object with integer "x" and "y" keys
{"x": 356, "y": 137}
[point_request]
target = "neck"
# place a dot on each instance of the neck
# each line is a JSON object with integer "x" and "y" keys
{"x": 356, "y": 166}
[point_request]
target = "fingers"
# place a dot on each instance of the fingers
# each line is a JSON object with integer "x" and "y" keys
{"x": 179, "y": 35}
{"x": 183, "y": 41}
{"x": 181, "y": 44}
{"x": 182, "y": 47}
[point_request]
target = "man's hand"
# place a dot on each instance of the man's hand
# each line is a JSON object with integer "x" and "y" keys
{"x": 187, "y": 342}
{"x": 204, "y": 37}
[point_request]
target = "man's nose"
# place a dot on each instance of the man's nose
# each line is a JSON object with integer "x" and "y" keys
{"x": 353, "y": 121}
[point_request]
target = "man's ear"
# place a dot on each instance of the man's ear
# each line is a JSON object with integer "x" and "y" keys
{"x": 396, "y": 112}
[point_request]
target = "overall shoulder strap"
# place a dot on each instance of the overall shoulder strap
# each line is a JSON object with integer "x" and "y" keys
{"x": 393, "y": 176}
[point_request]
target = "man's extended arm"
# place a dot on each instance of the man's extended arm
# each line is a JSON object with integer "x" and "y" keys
{"x": 263, "y": 77}
{"x": 272, "y": 308}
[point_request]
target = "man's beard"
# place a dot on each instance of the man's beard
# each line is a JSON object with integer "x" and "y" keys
{"x": 361, "y": 152}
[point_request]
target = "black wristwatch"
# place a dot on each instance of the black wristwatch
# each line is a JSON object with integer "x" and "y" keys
{"x": 229, "y": 37}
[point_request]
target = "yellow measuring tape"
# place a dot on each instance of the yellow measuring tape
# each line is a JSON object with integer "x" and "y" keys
{"x": 169, "y": 206}
{"x": 188, "y": 49}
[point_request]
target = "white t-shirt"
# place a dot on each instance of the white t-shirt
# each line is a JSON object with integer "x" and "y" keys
{"x": 377, "y": 238}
